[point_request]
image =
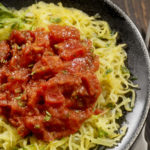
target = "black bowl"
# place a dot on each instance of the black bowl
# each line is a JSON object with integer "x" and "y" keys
{"x": 138, "y": 58}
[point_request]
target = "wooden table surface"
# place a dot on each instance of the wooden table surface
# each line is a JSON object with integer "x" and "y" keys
{"x": 138, "y": 11}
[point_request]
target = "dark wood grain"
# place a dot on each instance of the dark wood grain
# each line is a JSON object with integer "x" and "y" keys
{"x": 137, "y": 10}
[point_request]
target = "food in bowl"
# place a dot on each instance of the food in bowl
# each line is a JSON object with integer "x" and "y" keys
{"x": 64, "y": 82}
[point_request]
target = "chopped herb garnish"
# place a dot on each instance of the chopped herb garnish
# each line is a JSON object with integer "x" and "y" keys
{"x": 48, "y": 116}
{"x": 50, "y": 54}
{"x": 14, "y": 26}
{"x": 77, "y": 111}
{"x": 93, "y": 56}
{"x": 55, "y": 20}
{"x": 28, "y": 19}
{"x": 32, "y": 73}
{"x": 31, "y": 28}
{"x": 42, "y": 68}
{"x": 15, "y": 148}
{"x": 107, "y": 45}
{"x": 13, "y": 46}
{"x": 1, "y": 26}
{"x": 21, "y": 104}
{"x": 76, "y": 97}
{"x": 3, "y": 85}
{"x": 11, "y": 77}
{"x": 56, "y": 46}
{"x": 124, "y": 70}
{"x": 30, "y": 66}
{"x": 91, "y": 50}
{"x": 64, "y": 71}
{"x": 133, "y": 78}
{"x": 110, "y": 105}
{"x": 37, "y": 126}
{"x": 117, "y": 132}
{"x": 108, "y": 71}
{"x": 47, "y": 113}
{"x": 102, "y": 133}
{"x": 18, "y": 98}
{"x": 17, "y": 90}
{"x": 19, "y": 47}
{"x": 3, "y": 61}
{"x": 112, "y": 33}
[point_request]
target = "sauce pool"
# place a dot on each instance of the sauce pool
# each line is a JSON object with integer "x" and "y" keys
{"x": 48, "y": 85}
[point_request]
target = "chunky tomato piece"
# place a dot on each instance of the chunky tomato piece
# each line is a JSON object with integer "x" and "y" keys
{"x": 53, "y": 95}
{"x": 42, "y": 38}
{"x": 17, "y": 37}
{"x": 70, "y": 49}
{"x": 61, "y": 33}
{"x": 47, "y": 67}
{"x": 20, "y": 38}
{"x": 47, "y": 81}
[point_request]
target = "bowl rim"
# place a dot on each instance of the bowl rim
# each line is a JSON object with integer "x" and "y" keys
{"x": 147, "y": 58}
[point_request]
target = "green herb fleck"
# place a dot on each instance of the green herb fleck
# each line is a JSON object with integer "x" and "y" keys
{"x": 17, "y": 90}
{"x": 124, "y": 70}
{"x": 19, "y": 47}
{"x": 14, "y": 25}
{"x": 21, "y": 104}
{"x": 110, "y": 105}
{"x": 42, "y": 68}
{"x": 108, "y": 71}
{"x": 11, "y": 77}
{"x": 37, "y": 126}
{"x": 47, "y": 113}
{"x": 113, "y": 33}
{"x": 64, "y": 71}
{"x": 3, "y": 61}
{"x": 13, "y": 46}
{"x": 102, "y": 133}
{"x": 55, "y": 20}
{"x": 18, "y": 98}
{"x": 48, "y": 116}
{"x": 1, "y": 25}
{"x": 56, "y": 46}
{"x": 30, "y": 66}
{"x": 107, "y": 45}
{"x": 133, "y": 78}
{"x": 15, "y": 148}
{"x": 31, "y": 28}
{"x": 32, "y": 73}
{"x": 3, "y": 86}
{"x": 91, "y": 50}
{"x": 76, "y": 97}
{"x": 50, "y": 54}
{"x": 77, "y": 111}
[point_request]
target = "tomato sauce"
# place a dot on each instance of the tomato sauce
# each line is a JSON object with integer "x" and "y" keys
{"x": 47, "y": 83}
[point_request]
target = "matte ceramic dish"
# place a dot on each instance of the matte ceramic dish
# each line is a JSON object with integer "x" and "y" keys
{"x": 138, "y": 59}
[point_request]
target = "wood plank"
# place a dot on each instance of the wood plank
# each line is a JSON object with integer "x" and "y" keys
{"x": 137, "y": 10}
